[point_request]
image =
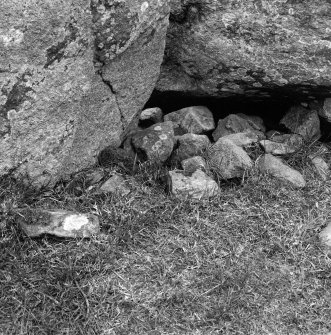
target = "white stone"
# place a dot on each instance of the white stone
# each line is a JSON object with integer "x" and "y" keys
{"x": 61, "y": 223}
{"x": 197, "y": 186}
{"x": 321, "y": 166}
{"x": 242, "y": 139}
{"x": 325, "y": 236}
{"x": 152, "y": 114}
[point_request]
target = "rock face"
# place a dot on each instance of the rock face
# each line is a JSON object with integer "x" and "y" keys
{"x": 73, "y": 75}
{"x": 223, "y": 48}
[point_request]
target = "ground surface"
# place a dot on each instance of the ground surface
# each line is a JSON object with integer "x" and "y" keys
{"x": 246, "y": 262}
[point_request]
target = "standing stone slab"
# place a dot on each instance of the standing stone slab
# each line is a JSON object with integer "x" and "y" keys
{"x": 197, "y": 186}
{"x": 228, "y": 160}
{"x": 278, "y": 169}
{"x": 73, "y": 75}
{"x": 61, "y": 223}
{"x": 155, "y": 143}
{"x": 194, "y": 119}
{"x": 302, "y": 121}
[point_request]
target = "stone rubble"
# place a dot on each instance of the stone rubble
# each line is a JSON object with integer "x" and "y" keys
{"x": 190, "y": 145}
{"x": 60, "y": 223}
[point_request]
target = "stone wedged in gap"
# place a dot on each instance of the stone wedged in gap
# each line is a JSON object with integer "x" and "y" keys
{"x": 194, "y": 163}
{"x": 190, "y": 145}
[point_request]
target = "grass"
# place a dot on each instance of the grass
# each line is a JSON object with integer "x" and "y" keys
{"x": 246, "y": 262}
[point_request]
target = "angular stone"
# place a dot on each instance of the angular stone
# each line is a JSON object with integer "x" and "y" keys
{"x": 302, "y": 121}
{"x": 194, "y": 119}
{"x": 233, "y": 124}
{"x": 154, "y": 115}
{"x": 73, "y": 76}
{"x": 115, "y": 184}
{"x": 190, "y": 145}
{"x": 278, "y": 169}
{"x": 325, "y": 110}
{"x": 155, "y": 143}
{"x": 242, "y": 139}
{"x": 255, "y": 121}
{"x": 282, "y": 144}
{"x": 61, "y": 223}
{"x": 321, "y": 166}
{"x": 271, "y": 133}
{"x": 325, "y": 236}
{"x": 228, "y": 160}
{"x": 194, "y": 163}
{"x": 197, "y": 186}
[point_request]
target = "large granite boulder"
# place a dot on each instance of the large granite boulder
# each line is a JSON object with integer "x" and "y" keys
{"x": 248, "y": 47}
{"x": 73, "y": 76}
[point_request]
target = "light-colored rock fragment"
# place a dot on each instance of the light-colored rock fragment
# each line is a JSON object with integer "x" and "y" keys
{"x": 242, "y": 139}
{"x": 321, "y": 166}
{"x": 282, "y": 144}
{"x": 325, "y": 110}
{"x": 155, "y": 143}
{"x": 190, "y": 145}
{"x": 194, "y": 119}
{"x": 228, "y": 160}
{"x": 233, "y": 124}
{"x": 325, "y": 236}
{"x": 302, "y": 121}
{"x": 61, "y": 223}
{"x": 197, "y": 186}
{"x": 154, "y": 115}
{"x": 194, "y": 163}
{"x": 271, "y": 133}
{"x": 278, "y": 169}
{"x": 115, "y": 184}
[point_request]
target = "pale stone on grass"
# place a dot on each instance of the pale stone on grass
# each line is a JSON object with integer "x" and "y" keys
{"x": 197, "y": 186}
{"x": 192, "y": 164}
{"x": 61, "y": 223}
{"x": 155, "y": 143}
{"x": 278, "y": 169}
{"x": 325, "y": 236}
{"x": 302, "y": 121}
{"x": 115, "y": 184}
{"x": 194, "y": 119}
{"x": 228, "y": 160}
{"x": 321, "y": 166}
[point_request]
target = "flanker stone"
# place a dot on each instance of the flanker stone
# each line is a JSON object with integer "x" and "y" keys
{"x": 61, "y": 223}
{"x": 278, "y": 169}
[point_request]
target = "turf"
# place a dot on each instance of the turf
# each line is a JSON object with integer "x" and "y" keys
{"x": 246, "y": 262}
